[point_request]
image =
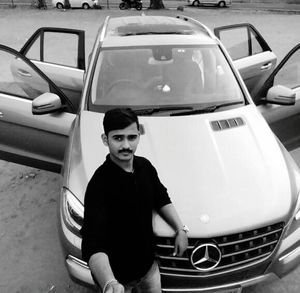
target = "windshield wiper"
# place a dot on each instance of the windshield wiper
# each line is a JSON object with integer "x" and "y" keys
{"x": 208, "y": 109}
{"x": 150, "y": 111}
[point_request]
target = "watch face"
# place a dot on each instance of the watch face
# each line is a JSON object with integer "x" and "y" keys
{"x": 185, "y": 229}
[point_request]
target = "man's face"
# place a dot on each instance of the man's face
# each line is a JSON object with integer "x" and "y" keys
{"x": 122, "y": 143}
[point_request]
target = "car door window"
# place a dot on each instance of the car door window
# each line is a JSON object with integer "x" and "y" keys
{"x": 58, "y": 48}
{"x": 60, "y": 54}
{"x": 24, "y": 137}
{"x": 284, "y": 120}
{"x": 289, "y": 74}
{"x": 68, "y": 48}
{"x": 21, "y": 78}
{"x": 236, "y": 42}
{"x": 17, "y": 78}
{"x": 34, "y": 52}
{"x": 251, "y": 54}
{"x": 241, "y": 40}
{"x": 256, "y": 47}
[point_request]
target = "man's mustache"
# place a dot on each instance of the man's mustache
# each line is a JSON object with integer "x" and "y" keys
{"x": 125, "y": 151}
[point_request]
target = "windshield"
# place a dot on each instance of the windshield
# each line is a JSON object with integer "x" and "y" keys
{"x": 162, "y": 76}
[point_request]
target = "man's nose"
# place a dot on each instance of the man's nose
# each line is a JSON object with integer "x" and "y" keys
{"x": 126, "y": 143}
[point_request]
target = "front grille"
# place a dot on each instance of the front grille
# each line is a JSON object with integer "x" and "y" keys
{"x": 237, "y": 250}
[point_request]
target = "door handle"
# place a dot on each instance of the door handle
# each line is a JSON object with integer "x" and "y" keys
{"x": 24, "y": 73}
{"x": 266, "y": 66}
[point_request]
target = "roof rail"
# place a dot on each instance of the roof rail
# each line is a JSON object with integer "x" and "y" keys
{"x": 204, "y": 28}
{"x": 104, "y": 29}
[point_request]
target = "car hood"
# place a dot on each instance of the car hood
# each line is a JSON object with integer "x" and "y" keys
{"x": 220, "y": 181}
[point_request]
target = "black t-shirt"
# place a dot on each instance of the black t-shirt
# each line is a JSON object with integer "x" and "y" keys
{"x": 118, "y": 216}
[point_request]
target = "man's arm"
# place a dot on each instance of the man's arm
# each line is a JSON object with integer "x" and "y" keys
{"x": 171, "y": 216}
{"x": 99, "y": 265}
{"x": 93, "y": 243}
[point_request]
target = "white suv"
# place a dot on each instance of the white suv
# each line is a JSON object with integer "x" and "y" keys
{"x": 222, "y": 154}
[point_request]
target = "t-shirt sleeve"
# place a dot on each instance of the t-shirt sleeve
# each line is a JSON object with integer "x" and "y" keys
{"x": 95, "y": 224}
{"x": 161, "y": 194}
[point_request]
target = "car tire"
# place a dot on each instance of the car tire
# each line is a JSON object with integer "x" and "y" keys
{"x": 85, "y": 6}
{"x": 139, "y": 6}
{"x": 196, "y": 3}
{"x": 59, "y": 5}
{"x": 222, "y": 4}
{"x": 123, "y": 6}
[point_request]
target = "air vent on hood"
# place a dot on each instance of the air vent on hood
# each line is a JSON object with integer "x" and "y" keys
{"x": 226, "y": 123}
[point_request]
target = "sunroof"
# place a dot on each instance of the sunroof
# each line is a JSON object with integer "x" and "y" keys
{"x": 145, "y": 29}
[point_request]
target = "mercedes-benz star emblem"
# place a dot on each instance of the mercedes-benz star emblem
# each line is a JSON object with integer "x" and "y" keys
{"x": 206, "y": 257}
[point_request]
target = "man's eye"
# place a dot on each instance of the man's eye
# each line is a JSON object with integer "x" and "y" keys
{"x": 118, "y": 138}
{"x": 132, "y": 137}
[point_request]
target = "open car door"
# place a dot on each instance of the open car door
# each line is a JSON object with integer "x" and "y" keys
{"x": 57, "y": 67}
{"x": 60, "y": 54}
{"x": 250, "y": 53}
{"x": 279, "y": 100}
{"x": 34, "y": 140}
{"x": 276, "y": 92}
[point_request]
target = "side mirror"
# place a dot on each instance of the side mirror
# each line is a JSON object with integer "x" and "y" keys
{"x": 280, "y": 95}
{"x": 46, "y": 103}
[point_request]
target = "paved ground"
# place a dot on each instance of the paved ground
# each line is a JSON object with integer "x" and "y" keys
{"x": 273, "y": 6}
{"x": 30, "y": 255}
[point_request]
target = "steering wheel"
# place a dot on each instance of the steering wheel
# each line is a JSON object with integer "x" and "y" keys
{"x": 131, "y": 82}
{"x": 153, "y": 83}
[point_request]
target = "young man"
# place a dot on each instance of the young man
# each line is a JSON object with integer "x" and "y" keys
{"x": 117, "y": 234}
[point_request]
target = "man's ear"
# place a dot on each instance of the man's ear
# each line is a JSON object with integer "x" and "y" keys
{"x": 104, "y": 139}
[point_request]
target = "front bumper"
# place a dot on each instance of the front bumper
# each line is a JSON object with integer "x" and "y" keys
{"x": 283, "y": 260}
{"x": 286, "y": 259}
{"x": 80, "y": 271}
{"x": 288, "y": 255}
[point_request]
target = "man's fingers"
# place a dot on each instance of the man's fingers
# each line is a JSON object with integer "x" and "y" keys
{"x": 109, "y": 290}
{"x": 179, "y": 251}
{"x": 175, "y": 252}
{"x": 180, "y": 246}
{"x": 119, "y": 289}
{"x": 115, "y": 288}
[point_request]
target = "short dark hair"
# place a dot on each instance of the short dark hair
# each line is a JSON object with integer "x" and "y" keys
{"x": 119, "y": 118}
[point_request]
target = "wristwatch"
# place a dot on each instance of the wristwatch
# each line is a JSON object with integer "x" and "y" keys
{"x": 184, "y": 228}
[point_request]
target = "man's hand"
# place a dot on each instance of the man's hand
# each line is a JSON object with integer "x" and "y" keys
{"x": 169, "y": 214}
{"x": 115, "y": 288}
{"x": 181, "y": 243}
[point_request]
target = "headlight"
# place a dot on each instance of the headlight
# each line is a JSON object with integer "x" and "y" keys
{"x": 294, "y": 223}
{"x": 72, "y": 211}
